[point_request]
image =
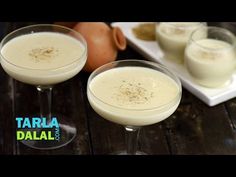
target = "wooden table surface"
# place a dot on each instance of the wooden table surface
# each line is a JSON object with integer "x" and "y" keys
{"x": 194, "y": 128}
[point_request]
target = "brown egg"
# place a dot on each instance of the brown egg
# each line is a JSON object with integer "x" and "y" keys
{"x": 103, "y": 43}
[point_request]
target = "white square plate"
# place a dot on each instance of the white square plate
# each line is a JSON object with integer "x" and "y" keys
{"x": 151, "y": 51}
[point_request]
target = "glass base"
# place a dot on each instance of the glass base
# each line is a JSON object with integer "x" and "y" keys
{"x": 67, "y": 132}
{"x": 125, "y": 153}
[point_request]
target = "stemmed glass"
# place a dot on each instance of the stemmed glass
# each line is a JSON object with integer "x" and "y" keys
{"x": 44, "y": 55}
{"x": 133, "y": 93}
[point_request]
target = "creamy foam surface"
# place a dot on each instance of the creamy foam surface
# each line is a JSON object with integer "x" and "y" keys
{"x": 42, "y": 50}
{"x": 134, "y": 88}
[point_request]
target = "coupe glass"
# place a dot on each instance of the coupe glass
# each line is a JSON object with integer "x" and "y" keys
{"x": 131, "y": 118}
{"x": 45, "y": 78}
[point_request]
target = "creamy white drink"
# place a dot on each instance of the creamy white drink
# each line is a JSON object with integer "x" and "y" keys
{"x": 173, "y": 37}
{"x": 43, "y": 58}
{"x": 211, "y": 62}
{"x": 134, "y": 96}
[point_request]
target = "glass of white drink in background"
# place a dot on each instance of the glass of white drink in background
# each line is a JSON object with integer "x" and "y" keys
{"x": 173, "y": 37}
{"x": 44, "y": 55}
{"x": 133, "y": 93}
{"x": 211, "y": 59}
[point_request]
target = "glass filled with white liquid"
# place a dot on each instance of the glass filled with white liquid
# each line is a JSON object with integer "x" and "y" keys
{"x": 44, "y": 55}
{"x": 210, "y": 59}
{"x": 133, "y": 93}
{"x": 173, "y": 38}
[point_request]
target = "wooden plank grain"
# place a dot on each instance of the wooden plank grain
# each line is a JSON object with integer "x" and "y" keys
{"x": 199, "y": 129}
{"x": 109, "y": 138}
{"x": 184, "y": 131}
{"x": 218, "y": 133}
{"x": 231, "y": 108}
{"x": 153, "y": 141}
{"x": 67, "y": 101}
{"x": 6, "y": 109}
{"x": 7, "y": 133}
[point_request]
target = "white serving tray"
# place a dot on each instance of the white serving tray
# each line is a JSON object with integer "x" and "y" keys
{"x": 151, "y": 51}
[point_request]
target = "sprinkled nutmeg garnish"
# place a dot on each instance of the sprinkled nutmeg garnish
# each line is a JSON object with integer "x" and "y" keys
{"x": 133, "y": 93}
{"x": 43, "y": 53}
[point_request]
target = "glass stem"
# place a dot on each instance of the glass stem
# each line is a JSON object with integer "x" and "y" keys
{"x": 45, "y": 101}
{"x": 132, "y": 139}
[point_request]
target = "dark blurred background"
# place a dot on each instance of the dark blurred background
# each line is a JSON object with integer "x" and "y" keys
{"x": 228, "y": 25}
{"x": 9, "y": 26}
